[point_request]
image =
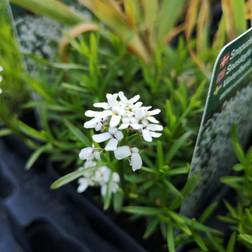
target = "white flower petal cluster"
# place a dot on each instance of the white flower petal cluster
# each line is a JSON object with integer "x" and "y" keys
{"x": 115, "y": 119}
{"x": 94, "y": 175}
{"x": 1, "y": 78}
{"x": 123, "y": 113}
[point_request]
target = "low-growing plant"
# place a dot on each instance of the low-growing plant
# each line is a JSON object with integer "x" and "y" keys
{"x": 240, "y": 212}
{"x": 133, "y": 174}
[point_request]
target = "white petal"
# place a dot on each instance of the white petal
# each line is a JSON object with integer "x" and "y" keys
{"x": 154, "y": 112}
{"x": 124, "y": 126}
{"x": 155, "y": 134}
{"x": 89, "y": 164}
{"x": 136, "y": 126}
{"x": 115, "y": 120}
{"x": 103, "y": 105}
{"x": 91, "y": 123}
{"x": 98, "y": 126}
{"x": 1, "y": 68}
{"x": 83, "y": 185}
{"x": 122, "y": 152}
{"x": 112, "y": 99}
{"x": 146, "y": 135}
{"x": 155, "y": 127}
{"x": 99, "y": 138}
{"x": 138, "y": 105}
{"x": 135, "y": 99}
{"x": 134, "y": 150}
{"x": 122, "y": 96}
{"x": 152, "y": 119}
{"x": 97, "y": 155}
{"x": 90, "y": 113}
{"x": 86, "y": 153}
{"x": 118, "y": 135}
{"x": 136, "y": 161}
{"x": 105, "y": 113}
{"x": 111, "y": 145}
{"x": 116, "y": 177}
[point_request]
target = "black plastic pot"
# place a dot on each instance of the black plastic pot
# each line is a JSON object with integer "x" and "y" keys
{"x": 34, "y": 218}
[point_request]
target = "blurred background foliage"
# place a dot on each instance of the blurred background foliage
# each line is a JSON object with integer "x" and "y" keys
{"x": 164, "y": 51}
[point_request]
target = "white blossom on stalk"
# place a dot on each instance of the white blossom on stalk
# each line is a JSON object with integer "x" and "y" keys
{"x": 135, "y": 158}
{"x": 1, "y": 78}
{"x": 114, "y": 184}
{"x": 89, "y": 153}
{"x": 98, "y": 120}
{"x": 99, "y": 177}
{"x": 116, "y": 115}
{"x": 113, "y": 135}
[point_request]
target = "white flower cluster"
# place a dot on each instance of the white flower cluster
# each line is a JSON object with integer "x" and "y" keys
{"x": 116, "y": 115}
{"x": 1, "y": 78}
{"x": 95, "y": 175}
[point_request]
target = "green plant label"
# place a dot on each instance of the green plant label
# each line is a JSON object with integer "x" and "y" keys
{"x": 233, "y": 65}
{"x": 228, "y": 102}
{"x": 232, "y": 71}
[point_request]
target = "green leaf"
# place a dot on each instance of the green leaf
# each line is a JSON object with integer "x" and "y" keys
{"x": 173, "y": 189}
{"x": 208, "y": 212}
{"x": 231, "y": 243}
{"x": 31, "y": 132}
{"x": 170, "y": 238}
{"x": 151, "y": 227}
{"x": 179, "y": 143}
{"x": 246, "y": 238}
{"x": 36, "y": 154}
{"x": 200, "y": 242}
{"x": 67, "y": 178}
{"x": 5, "y": 132}
{"x": 239, "y": 15}
{"x": 118, "y": 201}
{"x": 236, "y": 144}
{"x": 146, "y": 211}
{"x": 178, "y": 171}
{"x": 53, "y": 9}
{"x": 232, "y": 181}
{"x": 168, "y": 14}
{"x": 108, "y": 195}
{"x": 77, "y": 133}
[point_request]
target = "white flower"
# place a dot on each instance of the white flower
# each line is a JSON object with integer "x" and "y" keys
{"x": 114, "y": 184}
{"x": 149, "y": 131}
{"x": 113, "y": 106}
{"x": 113, "y": 135}
{"x": 85, "y": 181}
{"x": 100, "y": 118}
{"x": 1, "y": 78}
{"x": 83, "y": 185}
{"x": 102, "y": 175}
{"x": 89, "y": 153}
{"x": 135, "y": 158}
{"x": 99, "y": 177}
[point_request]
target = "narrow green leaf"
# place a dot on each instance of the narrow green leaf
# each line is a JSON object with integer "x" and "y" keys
{"x": 53, "y": 9}
{"x": 67, "y": 179}
{"x": 170, "y": 238}
{"x": 231, "y": 243}
{"x": 146, "y": 211}
{"x": 236, "y": 144}
{"x": 35, "y": 155}
{"x": 151, "y": 227}
{"x": 180, "y": 142}
{"x": 208, "y": 212}
{"x": 5, "y": 132}
{"x": 77, "y": 133}
{"x": 246, "y": 238}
